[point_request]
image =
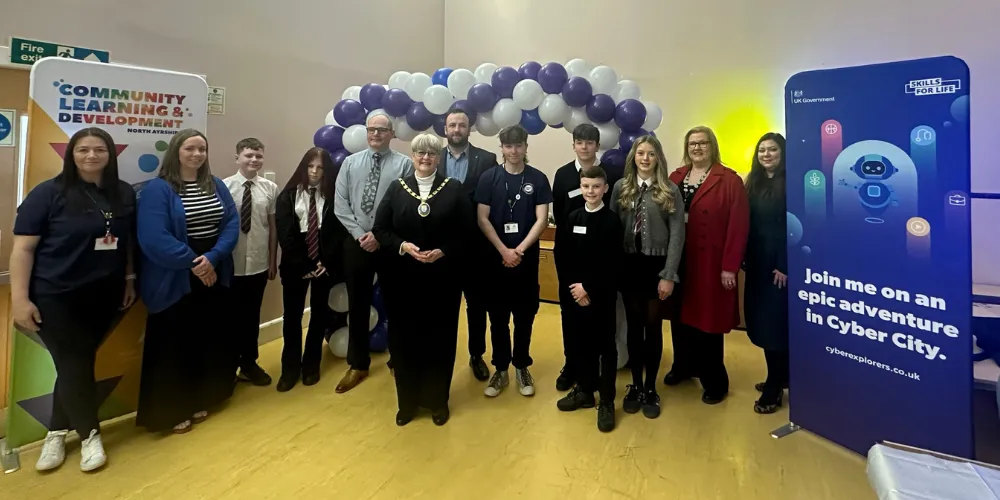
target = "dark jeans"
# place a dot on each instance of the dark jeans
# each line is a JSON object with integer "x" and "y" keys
{"x": 359, "y": 268}
{"x": 295, "y": 361}
{"x": 515, "y": 294}
{"x": 700, "y": 354}
{"x": 248, "y": 295}
{"x": 73, "y": 326}
{"x": 596, "y": 366}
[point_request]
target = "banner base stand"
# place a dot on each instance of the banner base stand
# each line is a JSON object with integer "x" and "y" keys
{"x": 784, "y": 430}
{"x": 9, "y": 459}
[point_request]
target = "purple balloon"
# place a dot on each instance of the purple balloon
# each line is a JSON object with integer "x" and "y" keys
{"x": 558, "y": 125}
{"x": 601, "y": 108}
{"x": 552, "y": 77}
{"x": 339, "y": 156}
{"x": 396, "y": 102}
{"x": 482, "y": 98}
{"x": 504, "y": 80}
{"x": 349, "y": 112}
{"x": 418, "y": 118}
{"x": 577, "y": 92}
{"x": 329, "y": 137}
{"x": 439, "y": 125}
{"x": 629, "y": 115}
{"x": 614, "y": 158}
{"x": 371, "y": 96}
{"x": 466, "y": 106}
{"x": 529, "y": 70}
{"x": 626, "y": 139}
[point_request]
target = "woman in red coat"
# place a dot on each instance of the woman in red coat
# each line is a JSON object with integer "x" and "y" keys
{"x": 718, "y": 219}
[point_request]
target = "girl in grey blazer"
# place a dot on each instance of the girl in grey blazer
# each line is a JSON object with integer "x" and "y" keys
{"x": 647, "y": 203}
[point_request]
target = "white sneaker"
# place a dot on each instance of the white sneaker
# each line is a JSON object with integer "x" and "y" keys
{"x": 498, "y": 381}
{"x": 53, "y": 451}
{"x": 524, "y": 381}
{"x": 93, "y": 453}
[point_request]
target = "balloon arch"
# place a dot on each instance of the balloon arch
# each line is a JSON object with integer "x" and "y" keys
{"x": 533, "y": 95}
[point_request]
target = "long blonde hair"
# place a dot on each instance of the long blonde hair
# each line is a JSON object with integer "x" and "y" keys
{"x": 660, "y": 188}
{"x": 713, "y": 147}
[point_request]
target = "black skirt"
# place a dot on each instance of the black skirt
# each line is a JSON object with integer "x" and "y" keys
{"x": 188, "y": 360}
{"x": 642, "y": 275}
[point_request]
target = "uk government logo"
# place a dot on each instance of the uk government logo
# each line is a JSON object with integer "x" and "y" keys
{"x": 798, "y": 97}
{"x": 933, "y": 86}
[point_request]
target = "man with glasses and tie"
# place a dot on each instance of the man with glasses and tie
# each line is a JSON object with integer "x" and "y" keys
{"x": 363, "y": 180}
{"x": 256, "y": 253}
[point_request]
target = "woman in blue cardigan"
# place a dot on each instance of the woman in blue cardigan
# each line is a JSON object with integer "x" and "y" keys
{"x": 187, "y": 229}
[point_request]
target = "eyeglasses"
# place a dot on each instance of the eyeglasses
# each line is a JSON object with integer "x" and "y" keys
{"x": 377, "y": 130}
{"x": 698, "y": 145}
{"x": 421, "y": 154}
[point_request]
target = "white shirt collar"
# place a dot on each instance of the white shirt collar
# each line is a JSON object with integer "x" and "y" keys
{"x": 647, "y": 182}
{"x": 243, "y": 179}
{"x": 599, "y": 207}
{"x": 597, "y": 163}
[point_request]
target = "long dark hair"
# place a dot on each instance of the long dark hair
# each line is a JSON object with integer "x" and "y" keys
{"x": 170, "y": 169}
{"x": 70, "y": 180}
{"x": 301, "y": 176}
{"x": 757, "y": 184}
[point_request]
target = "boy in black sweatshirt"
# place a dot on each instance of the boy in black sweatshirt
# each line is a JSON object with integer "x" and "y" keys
{"x": 567, "y": 197}
{"x": 592, "y": 251}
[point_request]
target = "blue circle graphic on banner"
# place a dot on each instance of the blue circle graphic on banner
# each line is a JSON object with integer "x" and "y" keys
{"x": 148, "y": 163}
{"x": 5, "y": 127}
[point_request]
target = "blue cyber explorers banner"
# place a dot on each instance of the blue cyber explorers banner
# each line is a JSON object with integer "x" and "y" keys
{"x": 879, "y": 254}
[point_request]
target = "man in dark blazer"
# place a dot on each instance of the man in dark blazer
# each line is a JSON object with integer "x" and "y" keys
{"x": 466, "y": 163}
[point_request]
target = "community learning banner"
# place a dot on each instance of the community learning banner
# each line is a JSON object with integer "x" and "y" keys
{"x": 879, "y": 257}
{"x": 141, "y": 109}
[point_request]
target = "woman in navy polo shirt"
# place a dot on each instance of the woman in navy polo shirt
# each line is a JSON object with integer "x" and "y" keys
{"x": 513, "y": 211}
{"x": 71, "y": 272}
{"x": 188, "y": 227}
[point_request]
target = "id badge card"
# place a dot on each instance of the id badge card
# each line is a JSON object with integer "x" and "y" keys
{"x": 580, "y": 229}
{"x": 576, "y": 192}
{"x": 510, "y": 228}
{"x": 685, "y": 217}
{"x": 106, "y": 243}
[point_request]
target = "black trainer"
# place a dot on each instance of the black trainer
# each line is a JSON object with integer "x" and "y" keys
{"x": 651, "y": 404}
{"x": 565, "y": 381}
{"x": 479, "y": 368}
{"x": 255, "y": 375}
{"x": 633, "y": 399}
{"x": 606, "y": 416}
{"x": 675, "y": 378}
{"x": 576, "y": 399}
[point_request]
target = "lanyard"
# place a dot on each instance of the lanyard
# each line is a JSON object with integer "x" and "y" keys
{"x": 108, "y": 217}
{"x": 517, "y": 197}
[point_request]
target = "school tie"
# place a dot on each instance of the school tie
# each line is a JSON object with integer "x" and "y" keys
{"x": 312, "y": 236}
{"x": 246, "y": 207}
{"x": 371, "y": 186}
{"x": 640, "y": 214}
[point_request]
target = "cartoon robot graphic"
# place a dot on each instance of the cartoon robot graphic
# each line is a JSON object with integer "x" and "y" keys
{"x": 874, "y": 193}
{"x": 875, "y": 182}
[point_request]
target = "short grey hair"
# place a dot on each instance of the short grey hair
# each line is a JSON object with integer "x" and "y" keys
{"x": 376, "y": 114}
{"x": 426, "y": 142}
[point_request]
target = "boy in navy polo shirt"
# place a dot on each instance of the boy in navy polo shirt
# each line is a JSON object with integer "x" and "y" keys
{"x": 513, "y": 201}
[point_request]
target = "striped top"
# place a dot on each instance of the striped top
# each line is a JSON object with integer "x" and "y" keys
{"x": 202, "y": 211}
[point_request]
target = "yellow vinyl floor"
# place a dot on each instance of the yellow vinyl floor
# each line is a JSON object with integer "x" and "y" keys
{"x": 311, "y": 443}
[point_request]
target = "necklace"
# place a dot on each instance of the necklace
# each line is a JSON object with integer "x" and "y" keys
{"x": 701, "y": 179}
{"x": 424, "y": 208}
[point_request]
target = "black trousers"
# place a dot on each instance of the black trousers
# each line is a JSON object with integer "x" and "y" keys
{"x": 515, "y": 294}
{"x": 475, "y": 291}
{"x": 568, "y": 311}
{"x": 247, "y": 295}
{"x": 359, "y": 270}
{"x": 700, "y": 354}
{"x": 73, "y": 326}
{"x": 294, "y": 360}
{"x": 777, "y": 375}
{"x": 596, "y": 365}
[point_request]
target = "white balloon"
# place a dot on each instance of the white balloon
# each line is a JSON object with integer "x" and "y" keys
{"x": 338, "y": 342}
{"x": 338, "y": 298}
{"x": 352, "y": 92}
{"x": 398, "y": 80}
{"x": 609, "y": 134}
{"x": 460, "y": 81}
{"x": 654, "y": 115}
{"x": 578, "y": 67}
{"x": 603, "y": 80}
{"x": 484, "y": 73}
{"x": 372, "y": 319}
{"x": 416, "y": 85}
{"x": 485, "y": 124}
{"x": 577, "y": 117}
{"x": 553, "y": 110}
{"x": 506, "y": 113}
{"x": 355, "y": 138}
{"x": 437, "y": 99}
{"x": 330, "y": 120}
{"x": 626, "y": 89}
{"x": 402, "y": 130}
{"x": 528, "y": 94}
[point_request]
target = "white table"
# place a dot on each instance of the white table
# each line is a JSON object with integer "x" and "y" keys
{"x": 898, "y": 474}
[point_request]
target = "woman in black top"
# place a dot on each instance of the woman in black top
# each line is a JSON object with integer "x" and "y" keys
{"x": 71, "y": 273}
{"x": 310, "y": 238}
{"x": 766, "y": 268}
{"x": 422, "y": 223}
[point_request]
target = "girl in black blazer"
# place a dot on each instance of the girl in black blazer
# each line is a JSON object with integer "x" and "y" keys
{"x": 310, "y": 237}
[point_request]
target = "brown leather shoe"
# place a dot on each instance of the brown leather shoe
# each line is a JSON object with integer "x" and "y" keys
{"x": 351, "y": 379}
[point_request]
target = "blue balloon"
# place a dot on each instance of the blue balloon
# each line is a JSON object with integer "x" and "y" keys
{"x": 371, "y": 96}
{"x": 329, "y": 137}
{"x": 601, "y": 108}
{"x": 552, "y": 77}
{"x": 504, "y": 80}
{"x": 377, "y": 300}
{"x": 439, "y": 125}
{"x": 440, "y": 77}
{"x": 529, "y": 70}
{"x": 577, "y": 92}
{"x": 558, "y": 125}
{"x": 482, "y": 98}
{"x": 349, "y": 112}
{"x": 531, "y": 122}
{"x": 418, "y": 118}
{"x": 396, "y": 102}
{"x": 378, "y": 339}
{"x": 630, "y": 114}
